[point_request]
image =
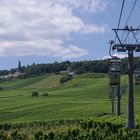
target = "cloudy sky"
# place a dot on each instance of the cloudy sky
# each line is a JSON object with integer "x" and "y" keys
{"x": 44, "y": 31}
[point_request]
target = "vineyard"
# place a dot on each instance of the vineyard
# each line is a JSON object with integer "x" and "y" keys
{"x": 77, "y": 109}
{"x": 96, "y": 129}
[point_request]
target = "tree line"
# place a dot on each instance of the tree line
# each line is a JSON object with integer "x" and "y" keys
{"x": 79, "y": 67}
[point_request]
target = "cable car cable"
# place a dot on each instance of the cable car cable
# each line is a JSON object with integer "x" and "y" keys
{"x": 133, "y": 7}
{"x": 119, "y": 22}
{"x": 120, "y": 17}
{"x": 126, "y": 37}
{"x": 131, "y": 12}
{"x": 121, "y": 12}
{"x": 134, "y": 35}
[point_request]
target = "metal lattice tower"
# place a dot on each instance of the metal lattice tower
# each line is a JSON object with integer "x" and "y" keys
{"x": 124, "y": 45}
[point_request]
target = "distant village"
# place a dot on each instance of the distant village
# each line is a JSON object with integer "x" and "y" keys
{"x": 17, "y": 73}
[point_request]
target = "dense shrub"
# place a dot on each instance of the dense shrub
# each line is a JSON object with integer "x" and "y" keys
{"x": 3, "y": 136}
{"x": 18, "y": 136}
{"x": 65, "y": 79}
{"x": 73, "y": 130}
{"x": 39, "y": 135}
{"x": 93, "y": 75}
{"x": 35, "y": 94}
{"x": 45, "y": 94}
{"x": 1, "y": 89}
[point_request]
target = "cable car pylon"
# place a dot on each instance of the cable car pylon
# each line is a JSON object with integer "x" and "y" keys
{"x": 123, "y": 46}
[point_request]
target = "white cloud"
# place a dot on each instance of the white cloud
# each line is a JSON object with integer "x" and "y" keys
{"x": 41, "y": 47}
{"x": 40, "y": 27}
{"x": 74, "y": 51}
{"x": 88, "y": 5}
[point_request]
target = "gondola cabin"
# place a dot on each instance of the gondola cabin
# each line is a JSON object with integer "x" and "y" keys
{"x": 114, "y": 71}
{"x": 137, "y": 77}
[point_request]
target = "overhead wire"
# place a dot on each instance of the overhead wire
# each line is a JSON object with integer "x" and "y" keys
{"x": 120, "y": 17}
{"x": 133, "y": 7}
{"x": 119, "y": 22}
{"x": 135, "y": 34}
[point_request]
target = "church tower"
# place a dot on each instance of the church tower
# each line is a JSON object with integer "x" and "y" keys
{"x": 19, "y": 66}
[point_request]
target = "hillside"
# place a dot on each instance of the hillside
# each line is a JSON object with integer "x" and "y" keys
{"x": 81, "y": 97}
{"x": 72, "y": 109}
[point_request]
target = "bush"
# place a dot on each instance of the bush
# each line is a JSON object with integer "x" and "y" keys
{"x": 45, "y": 94}
{"x": 101, "y": 129}
{"x": 35, "y": 94}
{"x": 65, "y": 79}
{"x": 1, "y": 89}
{"x": 93, "y": 75}
{"x": 39, "y": 135}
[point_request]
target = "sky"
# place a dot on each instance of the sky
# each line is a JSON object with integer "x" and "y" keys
{"x": 45, "y": 31}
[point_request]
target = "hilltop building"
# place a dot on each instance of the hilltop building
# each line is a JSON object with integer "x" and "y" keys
{"x": 17, "y": 73}
{"x": 67, "y": 72}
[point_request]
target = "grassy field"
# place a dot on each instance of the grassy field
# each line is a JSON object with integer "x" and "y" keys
{"x": 82, "y": 98}
{"x": 79, "y": 98}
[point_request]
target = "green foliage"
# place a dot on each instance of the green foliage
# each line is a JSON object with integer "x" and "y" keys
{"x": 79, "y": 97}
{"x": 99, "y": 129}
{"x": 83, "y": 97}
{"x": 1, "y": 89}
{"x": 3, "y": 136}
{"x": 96, "y": 66}
{"x": 93, "y": 75}
{"x": 65, "y": 79}
{"x": 35, "y": 94}
{"x": 45, "y": 94}
{"x": 13, "y": 84}
{"x": 38, "y": 135}
{"x": 51, "y": 136}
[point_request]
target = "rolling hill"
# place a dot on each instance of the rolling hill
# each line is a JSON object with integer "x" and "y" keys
{"x": 82, "y": 97}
